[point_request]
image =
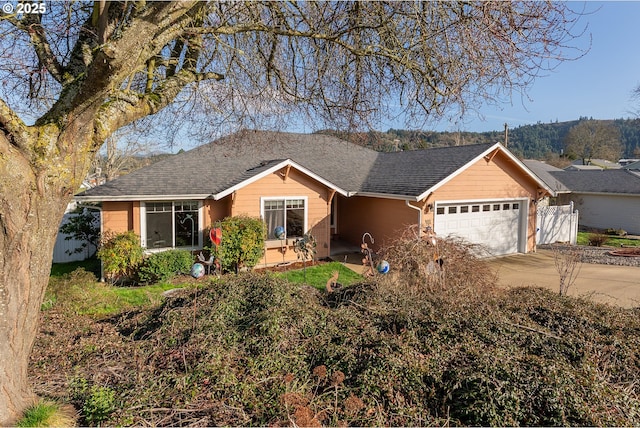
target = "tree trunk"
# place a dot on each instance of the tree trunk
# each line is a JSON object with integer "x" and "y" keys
{"x": 31, "y": 208}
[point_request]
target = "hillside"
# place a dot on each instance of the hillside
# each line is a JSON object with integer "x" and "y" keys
{"x": 538, "y": 141}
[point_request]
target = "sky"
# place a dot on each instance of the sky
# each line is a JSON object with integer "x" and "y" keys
{"x": 598, "y": 85}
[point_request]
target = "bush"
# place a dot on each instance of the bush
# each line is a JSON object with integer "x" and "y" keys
{"x": 616, "y": 232}
{"x": 120, "y": 254}
{"x": 164, "y": 265}
{"x": 242, "y": 243}
{"x": 597, "y": 239}
{"x": 96, "y": 402}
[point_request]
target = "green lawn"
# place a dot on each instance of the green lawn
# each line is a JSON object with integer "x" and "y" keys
{"x": 318, "y": 275}
{"x": 612, "y": 241}
{"x": 80, "y": 292}
{"x": 90, "y": 265}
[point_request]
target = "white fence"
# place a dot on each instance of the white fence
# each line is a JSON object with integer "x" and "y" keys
{"x": 60, "y": 254}
{"x": 557, "y": 224}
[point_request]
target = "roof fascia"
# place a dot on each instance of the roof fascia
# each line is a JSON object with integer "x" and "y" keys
{"x": 130, "y": 198}
{"x": 496, "y": 147}
{"x": 271, "y": 170}
{"x": 386, "y": 196}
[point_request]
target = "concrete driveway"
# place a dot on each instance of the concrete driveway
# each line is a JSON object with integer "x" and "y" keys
{"x": 616, "y": 285}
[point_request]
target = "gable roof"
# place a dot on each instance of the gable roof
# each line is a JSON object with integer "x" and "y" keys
{"x": 612, "y": 181}
{"x": 543, "y": 171}
{"x": 216, "y": 169}
{"x": 212, "y": 168}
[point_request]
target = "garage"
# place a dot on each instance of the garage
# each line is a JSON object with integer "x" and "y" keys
{"x": 496, "y": 225}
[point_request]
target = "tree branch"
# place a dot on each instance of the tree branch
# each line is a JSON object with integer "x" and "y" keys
{"x": 15, "y": 130}
{"x": 32, "y": 25}
{"x": 125, "y": 107}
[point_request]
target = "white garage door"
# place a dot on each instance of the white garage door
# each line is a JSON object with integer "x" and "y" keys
{"x": 495, "y": 225}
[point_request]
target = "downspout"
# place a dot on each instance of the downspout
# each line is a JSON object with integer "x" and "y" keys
{"x": 406, "y": 201}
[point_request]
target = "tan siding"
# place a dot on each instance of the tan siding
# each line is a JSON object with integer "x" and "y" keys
{"x": 247, "y": 201}
{"x": 498, "y": 179}
{"x": 384, "y": 219}
{"x": 493, "y": 180}
{"x": 135, "y": 221}
{"x": 117, "y": 217}
{"x": 216, "y": 210}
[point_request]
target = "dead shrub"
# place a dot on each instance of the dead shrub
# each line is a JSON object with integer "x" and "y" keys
{"x": 419, "y": 266}
{"x": 597, "y": 239}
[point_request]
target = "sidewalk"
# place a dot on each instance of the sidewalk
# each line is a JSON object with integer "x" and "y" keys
{"x": 616, "y": 285}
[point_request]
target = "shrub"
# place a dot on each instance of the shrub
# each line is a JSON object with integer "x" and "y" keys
{"x": 616, "y": 232}
{"x": 164, "y": 265}
{"x": 96, "y": 402}
{"x": 597, "y": 239}
{"x": 84, "y": 227}
{"x": 120, "y": 254}
{"x": 242, "y": 243}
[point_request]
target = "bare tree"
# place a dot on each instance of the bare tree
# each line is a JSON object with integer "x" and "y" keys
{"x": 125, "y": 151}
{"x": 593, "y": 139}
{"x": 75, "y": 72}
{"x": 568, "y": 262}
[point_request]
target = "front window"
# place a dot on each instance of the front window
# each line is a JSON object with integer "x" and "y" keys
{"x": 171, "y": 224}
{"x": 289, "y": 214}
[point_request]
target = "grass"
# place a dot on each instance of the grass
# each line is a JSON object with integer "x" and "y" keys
{"x": 612, "y": 241}
{"x": 80, "y": 293}
{"x": 317, "y": 276}
{"x": 90, "y": 265}
{"x": 48, "y": 414}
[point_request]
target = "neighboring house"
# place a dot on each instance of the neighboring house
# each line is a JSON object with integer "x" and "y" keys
{"x": 543, "y": 170}
{"x": 330, "y": 187}
{"x": 633, "y": 166}
{"x": 593, "y": 164}
{"x": 583, "y": 168}
{"x": 605, "y": 199}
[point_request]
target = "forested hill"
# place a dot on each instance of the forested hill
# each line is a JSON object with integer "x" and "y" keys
{"x": 538, "y": 141}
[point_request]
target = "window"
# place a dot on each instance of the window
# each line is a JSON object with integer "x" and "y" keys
{"x": 453, "y": 210}
{"x": 288, "y": 213}
{"x": 440, "y": 210}
{"x": 496, "y": 207}
{"x": 516, "y": 206}
{"x": 486, "y": 207}
{"x": 475, "y": 208}
{"x": 506, "y": 206}
{"x": 171, "y": 224}
{"x": 464, "y": 209}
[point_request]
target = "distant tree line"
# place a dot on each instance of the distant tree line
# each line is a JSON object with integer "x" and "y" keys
{"x": 537, "y": 141}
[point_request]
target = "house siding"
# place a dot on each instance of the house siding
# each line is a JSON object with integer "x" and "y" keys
{"x": 385, "y": 219}
{"x": 607, "y": 211}
{"x": 497, "y": 179}
{"x": 388, "y": 219}
{"x": 118, "y": 217}
{"x": 247, "y": 201}
{"x": 216, "y": 210}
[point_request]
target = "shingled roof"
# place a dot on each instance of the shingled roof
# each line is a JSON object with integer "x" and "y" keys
{"x": 543, "y": 171}
{"x": 209, "y": 171}
{"x": 615, "y": 181}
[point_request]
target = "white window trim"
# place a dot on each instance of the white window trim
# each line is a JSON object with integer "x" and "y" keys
{"x": 285, "y": 198}
{"x": 143, "y": 226}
